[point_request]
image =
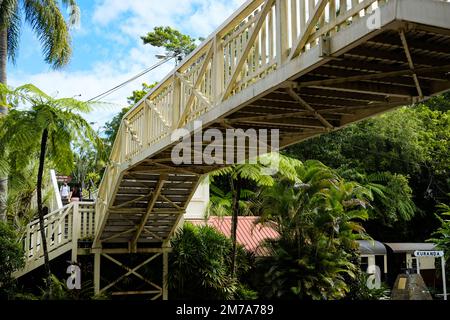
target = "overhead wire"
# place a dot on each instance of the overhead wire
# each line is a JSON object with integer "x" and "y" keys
{"x": 137, "y": 76}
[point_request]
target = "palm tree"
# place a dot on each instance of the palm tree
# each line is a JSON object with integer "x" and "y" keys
{"x": 48, "y": 129}
{"x": 46, "y": 19}
{"x": 318, "y": 219}
{"x": 240, "y": 174}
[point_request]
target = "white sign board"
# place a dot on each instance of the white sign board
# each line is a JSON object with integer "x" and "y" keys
{"x": 435, "y": 254}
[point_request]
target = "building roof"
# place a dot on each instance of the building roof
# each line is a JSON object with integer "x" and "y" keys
{"x": 250, "y": 235}
{"x": 371, "y": 247}
{"x": 410, "y": 247}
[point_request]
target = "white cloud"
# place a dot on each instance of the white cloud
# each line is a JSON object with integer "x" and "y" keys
{"x": 137, "y": 17}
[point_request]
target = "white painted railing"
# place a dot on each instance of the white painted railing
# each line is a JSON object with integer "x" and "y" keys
{"x": 255, "y": 41}
{"x": 64, "y": 226}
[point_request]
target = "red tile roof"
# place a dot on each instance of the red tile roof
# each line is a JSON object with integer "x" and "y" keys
{"x": 249, "y": 234}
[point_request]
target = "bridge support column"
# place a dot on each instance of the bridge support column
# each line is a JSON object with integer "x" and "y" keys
{"x": 97, "y": 260}
{"x": 166, "y": 249}
{"x": 165, "y": 275}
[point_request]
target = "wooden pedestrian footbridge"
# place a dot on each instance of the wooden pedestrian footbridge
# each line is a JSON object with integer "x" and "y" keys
{"x": 303, "y": 67}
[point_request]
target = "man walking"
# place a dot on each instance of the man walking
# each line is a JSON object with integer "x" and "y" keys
{"x": 65, "y": 193}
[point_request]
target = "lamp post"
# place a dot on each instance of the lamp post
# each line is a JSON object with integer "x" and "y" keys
{"x": 177, "y": 55}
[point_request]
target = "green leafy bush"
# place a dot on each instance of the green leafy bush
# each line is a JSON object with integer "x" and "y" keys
{"x": 11, "y": 259}
{"x": 200, "y": 266}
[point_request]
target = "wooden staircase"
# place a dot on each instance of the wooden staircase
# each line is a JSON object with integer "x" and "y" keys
{"x": 63, "y": 229}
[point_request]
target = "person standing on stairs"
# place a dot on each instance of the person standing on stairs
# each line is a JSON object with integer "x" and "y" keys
{"x": 65, "y": 193}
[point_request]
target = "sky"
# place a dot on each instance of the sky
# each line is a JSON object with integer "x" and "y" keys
{"x": 107, "y": 49}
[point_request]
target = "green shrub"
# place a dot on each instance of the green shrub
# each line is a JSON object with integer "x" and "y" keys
{"x": 11, "y": 259}
{"x": 200, "y": 266}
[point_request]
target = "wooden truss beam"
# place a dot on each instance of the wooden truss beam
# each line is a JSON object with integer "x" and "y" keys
{"x": 314, "y": 17}
{"x": 198, "y": 82}
{"x": 132, "y": 271}
{"x": 132, "y": 201}
{"x": 181, "y": 170}
{"x": 244, "y": 55}
{"x": 156, "y": 193}
{"x": 411, "y": 63}
{"x": 305, "y": 105}
{"x": 371, "y": 88}
{"x": 375, "y": 76}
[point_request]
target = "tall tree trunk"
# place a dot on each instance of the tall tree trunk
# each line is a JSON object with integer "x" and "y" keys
{"x": 41, "y": 209}
{"x": 3, "y": 111}
{"x": 236, "y": 191}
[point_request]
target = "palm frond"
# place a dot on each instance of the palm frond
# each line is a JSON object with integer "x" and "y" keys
{"x": 49, "y": 25}
{"x": 11, "y": 21}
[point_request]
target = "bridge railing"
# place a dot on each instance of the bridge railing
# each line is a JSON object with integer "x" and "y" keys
{"x": 64, "y": 226}
{"x": 258, "y": 39}
{"x": 255, "y": 41}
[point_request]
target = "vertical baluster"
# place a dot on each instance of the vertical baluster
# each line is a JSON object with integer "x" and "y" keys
{"x": 233, "y": 54}
{"x": 145, "y": 142}
{"x": 141, "y": 134}
{"x": 257, "y": 47}
{"x": 38, "y": 244}
{"x": 311, "y": 6}
{"x": 208, "y": 82}
{"x": 356, "y": 16}
{"x": 85, "y": 222}
{"x": 332, "y": 15}
{"x": 154, "y": 128}
{"x": 218, "y": 69}
{"x": 342, "y": 12}
{"x": 293, "y": 16}
{"x": 49, "y": 233}
{"x": 322, "y": 21}
{"x": 60, "y": 226}
{"x": 70, "y": 223}
{"x": 270, "y": 36}
{"x": 282, "y": 31}
{"x": 91, "y": 222}
{"x": 225, "y": 67}
{"x": 27, "y": 243}
{"x": 125, "y": 140}
{"x": 175, "y": 110}
{"x": 75, "y": 231}
{"x": 32, "y": 242}
{"x": 264, "y": 41}
{"x": 251, "y": 60}
{"x": 242, "y": 44}
{"x": 94, "y": 221}
{"x": 302, "y": 16}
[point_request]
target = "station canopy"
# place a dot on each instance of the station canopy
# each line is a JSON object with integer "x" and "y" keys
{"x": 371, "y": 247}
{"x": 411, "y": 247}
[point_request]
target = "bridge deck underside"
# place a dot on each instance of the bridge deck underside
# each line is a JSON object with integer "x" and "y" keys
{"x": 392, "y": 68}
{"x": 371, "y": 78}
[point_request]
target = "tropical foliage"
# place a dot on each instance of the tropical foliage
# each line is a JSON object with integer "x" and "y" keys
{"x": 405, "y": 153}
{"x": 45, "y": 131}
{"x": 200, "y": 265}
{"x": 442, "y": 235}
{"x": 11, "y": 259}
{"x": 237, "y": 176}
{"x": 318, "y": 218}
